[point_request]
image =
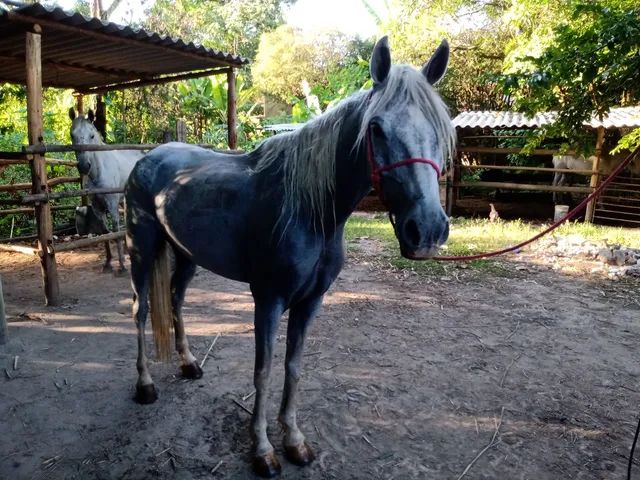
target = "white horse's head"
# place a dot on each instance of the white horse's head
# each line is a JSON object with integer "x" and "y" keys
{"x": 408, "y": 127}
{"x": 84, "y": 132}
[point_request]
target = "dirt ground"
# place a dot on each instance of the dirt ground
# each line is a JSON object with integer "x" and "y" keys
{"x": 537, "y": 369}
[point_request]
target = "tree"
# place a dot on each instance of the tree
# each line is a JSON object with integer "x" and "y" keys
{"x": 487, "y": 38}
{"x": 592, "y": 65}
{"x": 231, "y": 25}
{"x": 287, "y": 56}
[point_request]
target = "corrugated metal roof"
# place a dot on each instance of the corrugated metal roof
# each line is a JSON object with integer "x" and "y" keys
{"x": 617, "y": 118}
{"x": 283, "y": 127}
{"x": 80, "y": 52}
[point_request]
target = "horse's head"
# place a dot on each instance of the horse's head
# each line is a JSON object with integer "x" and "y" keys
{"x": 409, "y": 139}
{"x": 83, "y": 132}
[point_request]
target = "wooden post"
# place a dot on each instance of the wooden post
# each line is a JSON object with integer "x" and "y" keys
{"x": 455, "y": 178}
{"x": 79, "y": 103}
{"x": 595, "y": 175}
{"x": 101, "y": 117}
{"x": 231, "y": 109}
{"x": 449, "y": 198}
{"x": 181, "y": 131}
{"x": 3, "y": 318}
{"x": 33, "y": 63}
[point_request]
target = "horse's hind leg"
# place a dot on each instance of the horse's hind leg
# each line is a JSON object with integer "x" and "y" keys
{"x": 267, "y": 318}
{"x": 183, "y": 274}
{"x": 142, "y": 244}
{"x": 300, "y": 317}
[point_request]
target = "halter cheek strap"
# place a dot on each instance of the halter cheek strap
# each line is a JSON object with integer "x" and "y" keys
{"x": 376, "y": 171}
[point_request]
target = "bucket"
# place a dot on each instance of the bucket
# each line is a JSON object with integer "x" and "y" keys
{"x": 560, "y": 211}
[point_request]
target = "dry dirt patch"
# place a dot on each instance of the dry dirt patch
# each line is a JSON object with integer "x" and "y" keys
{"x": 405, "y": 377}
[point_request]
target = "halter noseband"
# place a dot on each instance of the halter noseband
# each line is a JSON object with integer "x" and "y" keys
{"x": 376, "y": 171}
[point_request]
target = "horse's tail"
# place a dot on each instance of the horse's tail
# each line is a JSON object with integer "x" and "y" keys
{"x": 160, "y": 302}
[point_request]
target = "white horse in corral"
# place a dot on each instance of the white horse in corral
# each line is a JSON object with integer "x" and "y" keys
{"x": 608, "y": 164}
{"x": 105, "y": 169}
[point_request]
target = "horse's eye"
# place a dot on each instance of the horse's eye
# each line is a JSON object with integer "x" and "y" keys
{"x": 92, "y": 137}
{"x": 376, "y": 130}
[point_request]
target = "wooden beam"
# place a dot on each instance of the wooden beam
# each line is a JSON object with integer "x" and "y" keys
{"x": 68, "y": 67}
{"x": 506, "y": 151}
{"x": 51, "y": 148}
{"x": 595, "y": 176}
{"x": 232, "y": 117}
{"x": 16, "y": 187}
{"x": 87, "y": 242}
{"x": 33, "y": 63}
{"x": 30, "y": 210}
{"x": 523, "y": 186}
{"x": 152, "y": 81}
{"x": 24, "y": 161}
{"x": 45, "y": 197}
{"x": 531, "y": 169}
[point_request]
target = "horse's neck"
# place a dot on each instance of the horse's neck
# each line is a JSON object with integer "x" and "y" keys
{"x": 112, "y": 168}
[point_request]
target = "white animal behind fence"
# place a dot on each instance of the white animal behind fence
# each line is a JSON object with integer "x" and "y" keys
{"x": 607, "y": 164}
{"x": 105, "y": 169}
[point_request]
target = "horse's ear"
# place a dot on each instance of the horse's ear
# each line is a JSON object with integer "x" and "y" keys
{"x": 91, "y": 116}
{"x": 72, "y": 113}
{"x": 434, "y": 69}
{"x": 380, "y": 63}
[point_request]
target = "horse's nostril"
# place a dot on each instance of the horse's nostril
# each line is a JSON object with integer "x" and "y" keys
{"x": 412, "y": 233}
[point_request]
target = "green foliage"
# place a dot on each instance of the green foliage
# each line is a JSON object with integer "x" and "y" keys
{"x": 592, "y": 65}
{"x": 230, "y": 25}
{"x": 287, "y": 56}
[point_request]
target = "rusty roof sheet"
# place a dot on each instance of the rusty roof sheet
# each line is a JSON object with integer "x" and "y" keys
{"x": 617, "y": 118}
{"x": 81, "y": 53}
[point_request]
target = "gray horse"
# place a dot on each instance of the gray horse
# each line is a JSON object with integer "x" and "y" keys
{"x": 274, "y": 218}
{"x": 104, "y": 170}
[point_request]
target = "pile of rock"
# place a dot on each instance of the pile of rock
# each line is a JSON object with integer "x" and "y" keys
{"x": 620, "y": 260}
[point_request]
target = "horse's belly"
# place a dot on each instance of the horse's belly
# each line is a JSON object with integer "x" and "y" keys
{"x": 211, "y": 238}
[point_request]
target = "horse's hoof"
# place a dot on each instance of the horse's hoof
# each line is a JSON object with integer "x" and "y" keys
{"x": 300, "y": 455}
{"x": 107, "y": 269}
{"x": 266, "y": 466}
{"x": 146, "y": 394}
{"x": 192, "y": 371}
{"x": 121, "y": 272}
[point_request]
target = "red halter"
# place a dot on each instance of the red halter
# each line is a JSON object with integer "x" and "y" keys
{"x": 376, "y": 171}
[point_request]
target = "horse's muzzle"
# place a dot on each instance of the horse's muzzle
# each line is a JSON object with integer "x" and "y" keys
{"x": 420, "y": 236}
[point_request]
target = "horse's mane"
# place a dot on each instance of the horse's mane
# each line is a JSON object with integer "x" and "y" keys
{"x": 307, "y": 156}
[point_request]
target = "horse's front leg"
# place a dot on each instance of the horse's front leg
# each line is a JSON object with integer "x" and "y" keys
{"x": 267, "y": 318}
{"x": 300, "y": 317}
{"x": 115, "y": 217}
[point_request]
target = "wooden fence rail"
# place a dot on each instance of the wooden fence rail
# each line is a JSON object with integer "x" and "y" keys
{"x": 55, "y": 148}
{"x": 45, "y": 197}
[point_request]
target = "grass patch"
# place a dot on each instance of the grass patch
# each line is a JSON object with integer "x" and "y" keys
{"x": 471, "y": 236}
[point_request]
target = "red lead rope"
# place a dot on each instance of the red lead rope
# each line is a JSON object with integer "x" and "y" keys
{"x": 376, "y": 181}
{"x": 568, "y": 216}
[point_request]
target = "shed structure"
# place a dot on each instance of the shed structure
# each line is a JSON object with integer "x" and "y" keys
{"x": 48, "y": 47}
{"x": 483, "y": 137}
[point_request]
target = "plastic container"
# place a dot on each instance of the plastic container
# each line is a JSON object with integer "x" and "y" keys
{"x": 560, "y": 211}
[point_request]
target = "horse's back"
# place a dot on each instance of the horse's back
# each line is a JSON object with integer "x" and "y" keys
{"x": 195, "y": 196}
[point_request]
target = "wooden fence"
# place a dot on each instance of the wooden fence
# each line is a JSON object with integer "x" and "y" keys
{"x": 454, "y": 181}
{"x": 38, "y": 202}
